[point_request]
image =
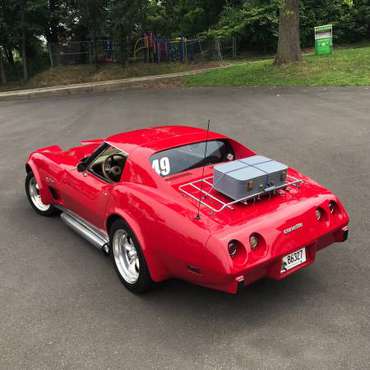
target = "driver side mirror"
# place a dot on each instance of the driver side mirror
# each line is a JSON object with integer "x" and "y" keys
{"x": 82, "y": 166}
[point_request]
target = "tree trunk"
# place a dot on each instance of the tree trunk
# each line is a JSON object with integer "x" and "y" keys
{"x": 24, "y": 42}
{"x": 122, "y": 47}
{"x": 52, "y": 33}
{"x": 95, "y": 50}
{"x": 289, "y": 48}
{"x": 3, "y": 79}
{"x": 128, "y": 48}
{"x": 54, "y": 54}
{"x": 9, "y": 55}
{"x": 24, "y": 56}
{"x": 51, "y": 54}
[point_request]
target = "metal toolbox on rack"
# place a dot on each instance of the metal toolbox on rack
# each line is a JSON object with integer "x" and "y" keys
{"x": 249, "y": 176}
{"x": 276, "y": 172}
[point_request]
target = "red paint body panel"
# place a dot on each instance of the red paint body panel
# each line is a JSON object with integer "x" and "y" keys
{"x": 175, "y": 243}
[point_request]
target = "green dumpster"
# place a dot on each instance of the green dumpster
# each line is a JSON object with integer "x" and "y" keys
{"x": 324, "y": 39}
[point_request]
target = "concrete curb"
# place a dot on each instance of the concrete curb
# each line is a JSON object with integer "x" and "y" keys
{"x": 96, "y": 86}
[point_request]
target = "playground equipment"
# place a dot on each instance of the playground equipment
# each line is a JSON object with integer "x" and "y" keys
{"x": 324, "y": 39}
{"x": 154, "y": 49}
{"x": 149, "y": 49}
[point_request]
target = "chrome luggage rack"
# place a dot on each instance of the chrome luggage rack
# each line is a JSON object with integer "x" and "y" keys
{"x": 204, "y": 192}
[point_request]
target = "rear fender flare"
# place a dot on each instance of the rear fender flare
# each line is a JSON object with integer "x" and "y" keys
{"x": 156, "y": 269}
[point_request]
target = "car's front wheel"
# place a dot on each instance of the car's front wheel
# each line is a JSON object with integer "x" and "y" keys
{"x": 128, "y": 258}
{"x": 34, "y": 197}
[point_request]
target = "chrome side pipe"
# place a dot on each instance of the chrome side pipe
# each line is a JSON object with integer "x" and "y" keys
{"x": 87, "y": 232}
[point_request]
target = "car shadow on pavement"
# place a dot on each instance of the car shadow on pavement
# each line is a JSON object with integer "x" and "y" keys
{"x": 264, "y": 299}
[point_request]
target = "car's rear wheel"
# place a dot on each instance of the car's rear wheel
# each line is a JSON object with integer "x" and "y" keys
{"x": 34, "y": 197}
{"x": 128, "y": 259}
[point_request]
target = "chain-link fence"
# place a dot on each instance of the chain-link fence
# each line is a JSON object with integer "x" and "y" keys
{"x": 157, "y": 50}
{"x": 87, "y": 52}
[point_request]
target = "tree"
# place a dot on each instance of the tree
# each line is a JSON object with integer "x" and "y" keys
{"x": 92, "y": 16}
{"x": 126, "y": 17}
{"x": 21, "y": 26}
{"x": 23, "y": 5}
{"x": 51, "y": 31}
{"x": 255, "y": 23}
{"x": 3, "y": 78}
{"x": 289, "y": 47}
{"x": 188, "y": 17}
{"x": 7, "y": 36}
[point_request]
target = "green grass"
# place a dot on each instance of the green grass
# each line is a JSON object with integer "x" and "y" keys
{"x": 346, "y": 67}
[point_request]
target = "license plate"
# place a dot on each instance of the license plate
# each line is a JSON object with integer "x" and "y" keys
{"x": 293, "y": 260}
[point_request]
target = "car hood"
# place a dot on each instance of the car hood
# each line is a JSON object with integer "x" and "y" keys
{"x": 69, "y": 157}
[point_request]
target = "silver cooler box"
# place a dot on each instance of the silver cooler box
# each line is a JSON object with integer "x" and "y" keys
{"x": 249, "y": 176}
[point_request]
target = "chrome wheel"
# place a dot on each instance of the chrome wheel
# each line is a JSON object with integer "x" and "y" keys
{"x": 126, "y": 256}
{"x": 34, "y": 192}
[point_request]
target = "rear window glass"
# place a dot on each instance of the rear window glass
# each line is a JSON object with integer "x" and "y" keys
{"x": 183, "y": 158}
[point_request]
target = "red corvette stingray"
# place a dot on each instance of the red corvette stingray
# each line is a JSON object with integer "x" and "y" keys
{"x": 147, "y": 199}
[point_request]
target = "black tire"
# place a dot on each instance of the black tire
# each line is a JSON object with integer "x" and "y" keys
{"x": 144, "y": 281}
{"x": 50, "y": 212}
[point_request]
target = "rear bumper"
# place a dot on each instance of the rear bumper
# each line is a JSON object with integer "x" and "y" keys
{"x": 272, "y": 268}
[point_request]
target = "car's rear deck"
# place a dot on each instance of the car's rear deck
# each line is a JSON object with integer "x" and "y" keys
{"x": 203, "y": 192}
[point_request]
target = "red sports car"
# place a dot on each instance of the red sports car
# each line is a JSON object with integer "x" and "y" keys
{"x": 148, "y": 199}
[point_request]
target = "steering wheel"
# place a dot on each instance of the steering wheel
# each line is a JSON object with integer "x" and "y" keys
{"x": 111, "y": 167}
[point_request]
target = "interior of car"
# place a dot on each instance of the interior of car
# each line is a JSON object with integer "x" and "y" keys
{"x": 109, "y": 164}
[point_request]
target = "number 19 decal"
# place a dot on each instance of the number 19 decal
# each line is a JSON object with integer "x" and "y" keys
{"x": 162, "y": 166}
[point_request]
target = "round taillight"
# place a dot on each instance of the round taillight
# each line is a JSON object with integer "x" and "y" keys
{"x": 253, "y": 241}
{"x": 237, "y": 252}
{"x": 319, "y": 214}
{"x": 333, "y": 207}
{"x": 233, "y": 248}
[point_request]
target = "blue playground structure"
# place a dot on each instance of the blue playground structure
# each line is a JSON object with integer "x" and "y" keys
{"x": 155, "y": 49}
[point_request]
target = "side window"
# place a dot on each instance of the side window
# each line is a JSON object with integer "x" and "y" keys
{"x": 109, "y": 164}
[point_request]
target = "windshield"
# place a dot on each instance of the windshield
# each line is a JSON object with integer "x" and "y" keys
{"x": 183, "y": 158}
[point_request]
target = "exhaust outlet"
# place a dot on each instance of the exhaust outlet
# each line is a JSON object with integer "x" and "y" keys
{"x": 84, "y": 230}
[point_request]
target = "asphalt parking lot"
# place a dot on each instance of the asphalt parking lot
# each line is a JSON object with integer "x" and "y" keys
{"x": 62, "y": 306}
